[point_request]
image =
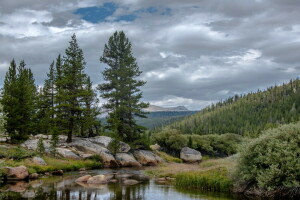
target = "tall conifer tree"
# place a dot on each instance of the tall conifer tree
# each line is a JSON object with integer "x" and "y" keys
{"x": 71, "y": 94}
{"x": 19, "y": 101}
{"x": 121, "y": 88}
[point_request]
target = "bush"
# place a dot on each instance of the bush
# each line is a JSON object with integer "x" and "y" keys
{"x": 272, "y": 160}
{"x": 216, "y": 145}
{"x": 170, "y": 139}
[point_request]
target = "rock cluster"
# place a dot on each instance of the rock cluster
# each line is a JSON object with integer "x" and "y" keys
{"x": 124, "y": 179}
{"x": 81, "y": 148}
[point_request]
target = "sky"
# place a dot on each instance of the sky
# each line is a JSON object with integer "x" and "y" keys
{"x": 192, "y": 52}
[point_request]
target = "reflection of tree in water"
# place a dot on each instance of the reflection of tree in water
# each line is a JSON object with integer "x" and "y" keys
{"x": 135, "y": 192}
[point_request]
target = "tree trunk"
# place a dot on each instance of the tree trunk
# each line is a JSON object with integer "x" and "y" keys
{"x": 70, "y": 131}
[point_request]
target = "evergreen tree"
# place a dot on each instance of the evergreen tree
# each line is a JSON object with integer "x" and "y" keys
{"x": 122, "y": 88}
{"x": 19, "y": 101}
{"x": 47, "y": 102}
{"x": 10, "y": 100}
{"x": 40, "y": 146}
{"x": 90, "y": 122}
{"x": 72, "y": 93}
{"x": 26, "y": 106}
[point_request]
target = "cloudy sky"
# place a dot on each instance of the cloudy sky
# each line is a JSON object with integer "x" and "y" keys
{"x": 191, "y": 52}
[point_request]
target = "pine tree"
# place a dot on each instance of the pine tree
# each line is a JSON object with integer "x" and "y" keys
{"x": 71, "y": 94}
{"x": 26, "y": 90}
{"x": 122, "y": 88}
{"x": 90, "y": 122}
{"x": 10, "y": 100}
{"x": 19, "y": 101}
{"x": 40, "y": 146}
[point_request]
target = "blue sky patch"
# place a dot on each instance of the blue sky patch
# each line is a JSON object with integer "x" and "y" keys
{"x": 99, "y": 14}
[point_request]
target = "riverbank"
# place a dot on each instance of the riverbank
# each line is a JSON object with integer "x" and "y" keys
{"x": 210, "y": 174}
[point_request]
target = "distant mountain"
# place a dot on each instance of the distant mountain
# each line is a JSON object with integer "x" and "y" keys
{"x": 153, "y": 108}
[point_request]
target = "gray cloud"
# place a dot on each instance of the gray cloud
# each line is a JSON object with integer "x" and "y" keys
{"x": 198, "y": 53}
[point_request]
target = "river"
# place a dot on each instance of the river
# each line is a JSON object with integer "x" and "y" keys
{"x": 65, "y": 188}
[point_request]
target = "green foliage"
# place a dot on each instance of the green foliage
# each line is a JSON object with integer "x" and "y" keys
{"x": 246, "y": 114}
{"x": 121, "y": 89}
{"x": 16, "y": 153}
{"x": 171, "y": 139}
{"x": 216, "y": 145}
{"x": 113, "y": 146}
{"x": 272, "y": 160}
{"x": 40, "y": 146}
{"x": 213, "y": 180}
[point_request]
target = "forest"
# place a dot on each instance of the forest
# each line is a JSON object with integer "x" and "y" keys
{"x": 239, "y": 114}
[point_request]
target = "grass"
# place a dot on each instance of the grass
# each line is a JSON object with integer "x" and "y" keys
{"x": 210, "y": 174}
{"x": 168, "y": 157}
{"x": 216, "y": 179}
{"x": 54, "y": 164}
{"x": 14, "y": 156}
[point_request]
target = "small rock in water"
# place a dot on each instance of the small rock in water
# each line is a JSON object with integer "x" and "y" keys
{"x": 58, "y": 173}
{"x": 141, "y": 177}
{"x": 98, "y": 179}
{"x": 17, "y": 173}
{"x": 34, "y": 176}
{"x": 83, "y": 178}
{"x": 113, "y": 180}
{"x": 130, "y": 182}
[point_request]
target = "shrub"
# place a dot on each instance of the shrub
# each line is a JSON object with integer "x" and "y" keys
{"x": 272, "y": 160}
{"x": 216, "y": 145}
{"x": 40, "y": 147}
{"x": 170, "y": 139}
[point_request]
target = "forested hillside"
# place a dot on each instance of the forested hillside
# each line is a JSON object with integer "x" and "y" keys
{"x": 246, "y": 114}
{"x": 159, "y": 119}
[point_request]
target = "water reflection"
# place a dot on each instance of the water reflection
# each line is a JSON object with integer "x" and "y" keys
{"x": 65, "y": 188}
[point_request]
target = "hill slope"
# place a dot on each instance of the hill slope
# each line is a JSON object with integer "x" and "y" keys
{"x": 247, "y": 114}
{"x": 159, "y": 119}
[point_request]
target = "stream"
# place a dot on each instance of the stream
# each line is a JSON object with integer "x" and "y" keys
{"x": 65, "y": 188}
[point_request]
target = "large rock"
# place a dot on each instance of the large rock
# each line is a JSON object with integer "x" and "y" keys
{"x": 127, "y": 160}
{"x": 32, "y": 144}
{"x": 38, "y": 160}
{"x": 98, "y": 179}
{"x": 123, "y": 148}
{"x": 86, "y": 146}
{"x": 101, "y": 140}
{"x": 83, "y": 178}
{"x": 67, "y": 153}
{"x": 190, "y": 155}
{"x": 17, "y": 173}
{"x": 147, "y": 158}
